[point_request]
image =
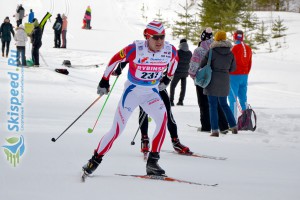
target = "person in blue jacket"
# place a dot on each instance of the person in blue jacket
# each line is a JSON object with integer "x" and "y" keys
{"x": 31, "y": 16}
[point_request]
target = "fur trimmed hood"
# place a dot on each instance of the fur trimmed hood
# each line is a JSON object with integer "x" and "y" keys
{"x": 222, "y": 43}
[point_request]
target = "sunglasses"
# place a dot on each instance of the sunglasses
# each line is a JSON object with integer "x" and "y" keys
{"x": 157, "y": 37}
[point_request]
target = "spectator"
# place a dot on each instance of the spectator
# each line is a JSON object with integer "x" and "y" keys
{"x": 31, "y": 16}
{"x": 198, "y": 56}
{"x": 36, "y": 39}
{"x": 57, "y": 27}
{"x": 181, "y": 72}
{"x": 21, "y": 39}
{"x": 239, "y": 78}
{"x": 64, "y": 31}
{"x": 222, "y": 62}
{"x": 5, "y": 30}
{"x": 21, "y": 14}
{"x": 88, "y": 17}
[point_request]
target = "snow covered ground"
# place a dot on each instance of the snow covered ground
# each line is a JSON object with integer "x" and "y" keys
{"x": 260, "y": 165}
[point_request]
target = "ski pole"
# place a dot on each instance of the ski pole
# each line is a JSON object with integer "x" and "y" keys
{"x": 144, "y": 116}
{"x": 90, "y": 130}
{"x": 54, "y": 140}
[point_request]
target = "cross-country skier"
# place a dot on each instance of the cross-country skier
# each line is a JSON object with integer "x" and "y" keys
{"x": 171, "y": 124}
{"x": 147, "y": 59}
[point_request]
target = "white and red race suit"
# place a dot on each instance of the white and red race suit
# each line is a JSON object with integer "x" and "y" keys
{"x": 141, "y": 89}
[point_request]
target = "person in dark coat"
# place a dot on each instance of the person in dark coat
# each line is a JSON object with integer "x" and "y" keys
{"x": 6, "y": 30}
{"x": 36, "y": 39}
{"x": 198, "y": 56}
{"x": 222, "y": 62}
{"x": 88, "y": 17}
{"x": 181, "y": 72}
{"x": 57, "y": 27}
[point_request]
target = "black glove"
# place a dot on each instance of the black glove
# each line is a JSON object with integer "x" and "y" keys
{"x": 119, "y": 69}
{"x": 103, "y": 87}
{"x": 164, "y": 82}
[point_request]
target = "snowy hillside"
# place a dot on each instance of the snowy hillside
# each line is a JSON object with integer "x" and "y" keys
{"x": 260, "y": 165}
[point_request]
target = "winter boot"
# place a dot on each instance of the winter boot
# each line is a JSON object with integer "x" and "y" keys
{"x": 180, "y": 103}
{"x": 180, "y": 148}
{"x": 234, "y": 130}
{"x": 214, "y": 133}
{"x": 144, "y": 144}
{"x": 92, "y": 164}
{"x": 172, "y": 103}
{"x": 152, "y": 167}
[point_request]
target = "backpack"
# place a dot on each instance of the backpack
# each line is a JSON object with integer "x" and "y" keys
{"x": 247, "y": 121}
{"x": 203, "y": 75}
{"x": 67, "y": 63}
{"x": 57, "y": 26}
{"x": 62, "y": 71}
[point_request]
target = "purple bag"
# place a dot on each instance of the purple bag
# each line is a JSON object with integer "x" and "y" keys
{"x": 247, "y": 121}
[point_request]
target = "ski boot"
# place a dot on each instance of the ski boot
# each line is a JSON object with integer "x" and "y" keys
{"x": 92, "y": 164}
{"x": 180, "y": 148}
{"x": 152, "y": 167}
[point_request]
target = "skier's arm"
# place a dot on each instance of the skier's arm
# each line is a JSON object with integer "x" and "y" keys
{"x": 126, "y": 54}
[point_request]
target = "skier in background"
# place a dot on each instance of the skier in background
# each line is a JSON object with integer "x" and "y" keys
{"x": 88, "y": 17}
{"x": 147, "y": 61}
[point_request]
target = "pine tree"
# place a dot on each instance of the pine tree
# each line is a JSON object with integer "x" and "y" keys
{"x": 160, "y": 19}
{"x": 144, "y": 16}
{"x": 220, "y": 14}
{"x": 261, "y": 36}
{"x": 184, "y": 25}
{"x": 278, "y": 28}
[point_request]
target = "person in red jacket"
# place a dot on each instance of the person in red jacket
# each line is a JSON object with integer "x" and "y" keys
{"x": 239, "y": 78}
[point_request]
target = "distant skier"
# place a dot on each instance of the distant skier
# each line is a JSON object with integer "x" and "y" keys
{"x": 5, "y": 30}
{"x": 148, "y": 59}
{"x": 57, "y": 27}
{"x": 87, "y": 18}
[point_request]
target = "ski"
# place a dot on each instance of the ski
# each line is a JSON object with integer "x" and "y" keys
{"x": 192, "y": 154}
{"x": 166, "y": 178}
{"x": 83, "y": 177}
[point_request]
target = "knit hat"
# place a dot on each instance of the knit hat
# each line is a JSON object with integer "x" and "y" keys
{"x": 220, "y": 35}
{"x": 206, "y": 34}
{"x": 182, "y": 41}
{"x": 238, "y": 35}
{"x": 6, "y": 19}
{"x": 154, "y": 28}
{"x": 35, "y": 23}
